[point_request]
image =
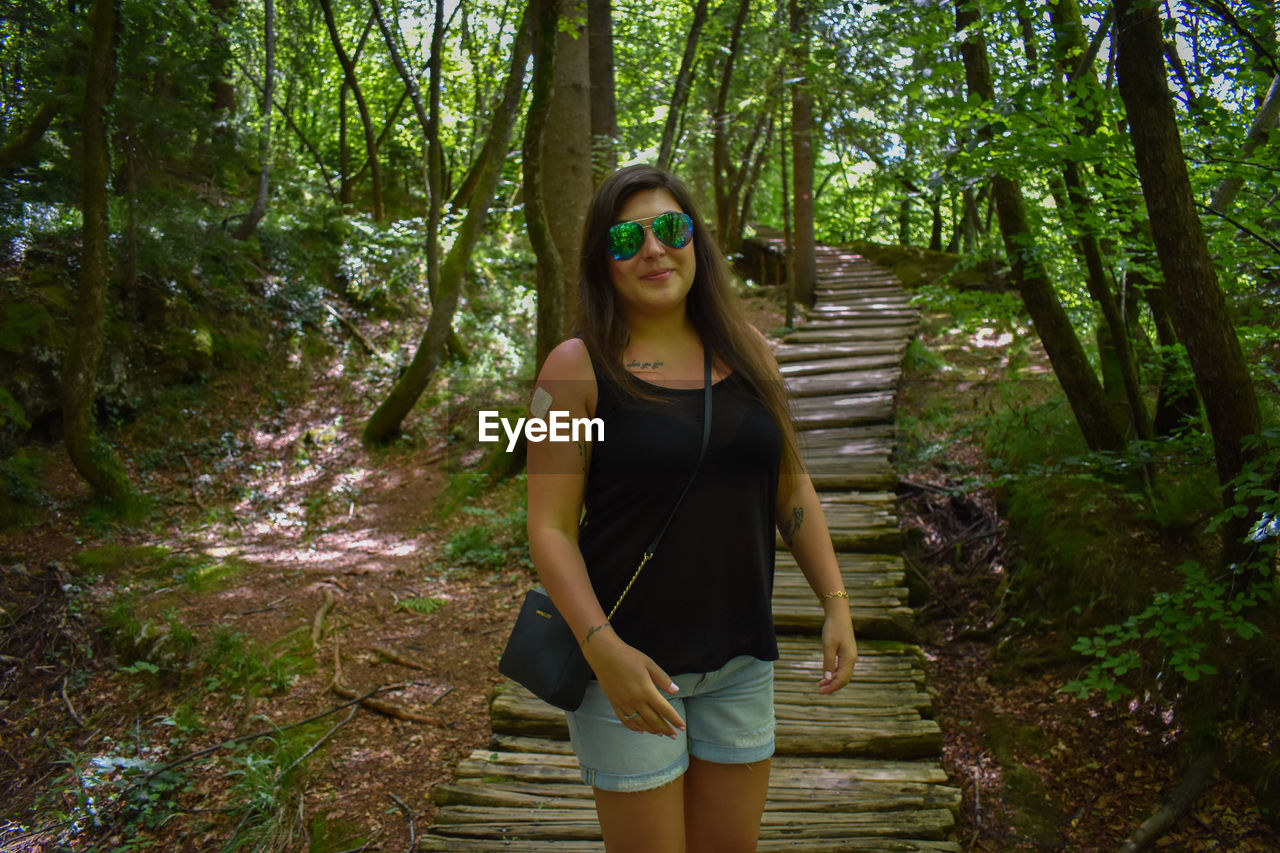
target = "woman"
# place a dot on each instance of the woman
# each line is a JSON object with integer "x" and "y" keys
{"x": 676, "y": 732}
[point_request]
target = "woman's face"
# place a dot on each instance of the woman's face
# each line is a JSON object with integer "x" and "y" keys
{"x": 656, "y": 279}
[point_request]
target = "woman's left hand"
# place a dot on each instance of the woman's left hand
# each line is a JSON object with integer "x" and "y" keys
{"x": 839, "y": 648}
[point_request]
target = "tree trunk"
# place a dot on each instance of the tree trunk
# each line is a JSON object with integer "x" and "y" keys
{"x": 1068, "y": 27}
{"x": 92, "y": 457}
{"x": 1198, "y": 309}
{"x": 349, "y": 75}
{"x": 1225, "y": 194}
{"x": 384, "y": 423}
{"x": 566, "y": 156}
{"x": 429, "y": 122}
{"x": 250, "y": 223}
{"x": 221, "y": 89}
{"x": 510, "y": 100}
{"x": 805, "y": 267}
{"x": 722, "y": 171}
{"x": 344, "y": 150}
{"x": 681, "y": 91}
{"x": 551, "y": 267}
{"x": 1084, "y": 392}
{"x": 22, "y": 143}
{"x": 604, "y": 103}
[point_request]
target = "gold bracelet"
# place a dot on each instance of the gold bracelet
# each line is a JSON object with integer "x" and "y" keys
{"x": 837, "y": 593}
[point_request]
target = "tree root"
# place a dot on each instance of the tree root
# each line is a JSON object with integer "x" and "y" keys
{"x": 317, "y": 624}
{"x": 390, "y": 709}
{"x": 1196, "y": 779}
{"x": 395, "y": 657}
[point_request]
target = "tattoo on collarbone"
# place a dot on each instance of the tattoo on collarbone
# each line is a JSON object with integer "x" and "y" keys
{"x": 643, "y": 365}
{"x": 791, "y": 526}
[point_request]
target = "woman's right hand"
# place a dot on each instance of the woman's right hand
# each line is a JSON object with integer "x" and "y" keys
{"x": 633, "y": 684}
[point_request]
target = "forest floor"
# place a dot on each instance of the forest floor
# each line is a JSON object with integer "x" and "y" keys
{"x": 288, "y": 570}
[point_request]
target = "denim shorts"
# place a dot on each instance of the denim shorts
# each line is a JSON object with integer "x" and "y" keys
{"x": 728, "y": 718}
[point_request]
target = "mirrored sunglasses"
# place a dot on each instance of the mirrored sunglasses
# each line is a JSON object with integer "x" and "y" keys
{"x": 672, "y": 229}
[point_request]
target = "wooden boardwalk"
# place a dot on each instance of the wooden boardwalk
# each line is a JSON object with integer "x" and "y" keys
{"x": 855, "y": 771}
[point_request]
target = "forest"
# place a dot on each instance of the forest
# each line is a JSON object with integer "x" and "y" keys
{"x": 263, "y": 261}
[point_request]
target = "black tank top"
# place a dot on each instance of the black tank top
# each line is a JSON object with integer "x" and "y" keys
{"x": 705, "y": 596}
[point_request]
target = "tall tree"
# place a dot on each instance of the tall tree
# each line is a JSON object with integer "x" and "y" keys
{"x": 566, "y": 153}
{"x": 93, "y": 458}
{"x": 722, "y": 125}
{"x": 353, "y": 83}
{"x": 604, "y": 102}
{"x": 551, "y": 267}
{"x": 384, "y": 424}
{"x": 1084, "y": 392}
{"x": 805, "y": 265}
{"x": 680, "y": 90}
{"x": 1083, "y": 87}
{"x": 1196, "y": 303}
{"x": 221, "y": 88}
{"x": 259, "y": 209}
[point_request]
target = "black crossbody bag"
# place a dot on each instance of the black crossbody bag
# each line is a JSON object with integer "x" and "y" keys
{"x": 542, "y": 653}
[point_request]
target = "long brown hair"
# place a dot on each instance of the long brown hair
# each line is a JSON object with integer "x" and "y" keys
{"x": 712, "y": 306}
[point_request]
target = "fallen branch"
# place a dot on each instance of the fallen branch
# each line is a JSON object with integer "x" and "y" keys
{"x": 390, "y": 709}
{"x": 359, "y": 335}
{"x": 443, "y": 694}
{"x": 408, "y": 813}
{"x": 66, "y": 700}
{"x": 395, "y": 657}
{"x": 1195, "y": 781}
{"x": 317, "y": 624}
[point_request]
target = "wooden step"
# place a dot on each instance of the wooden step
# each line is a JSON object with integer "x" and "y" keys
{"x": 843, "y": 410}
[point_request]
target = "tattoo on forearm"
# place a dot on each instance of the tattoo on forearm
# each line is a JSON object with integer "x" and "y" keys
{"x": 791, "y": 526}
{"x": 592, "y": 633}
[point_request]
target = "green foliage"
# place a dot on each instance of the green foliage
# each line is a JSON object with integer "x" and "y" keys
{"x": 1173, "y": 639}
{"x": 423, "y": 606}
{"x": 493, "y": 541}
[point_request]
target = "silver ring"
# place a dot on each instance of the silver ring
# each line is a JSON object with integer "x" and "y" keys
{"x": 631, "y": 716}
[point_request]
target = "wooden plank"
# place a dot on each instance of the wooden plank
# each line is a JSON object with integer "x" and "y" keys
{"x": 502, "y": 762}
{"x": 837, "y": 365}
{"x": 493, "y": 822}
{"x": 813, "y": 789}
{"x": 872, "y": 407}
{"x": 854, "y": 528}
{"x": 847, "y": 382}
{"x": 823, "y": 336}
{"x": 786, "y": 353}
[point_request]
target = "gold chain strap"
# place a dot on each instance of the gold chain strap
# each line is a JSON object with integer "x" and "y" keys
{"x": 643, "y": 560}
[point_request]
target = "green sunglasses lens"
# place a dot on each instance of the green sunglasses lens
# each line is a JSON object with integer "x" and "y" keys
{"x": 673, "y": 230}
{"x": 625, "y": 239}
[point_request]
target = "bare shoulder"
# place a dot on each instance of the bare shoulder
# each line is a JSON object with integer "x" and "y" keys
{"x": 568, "y": 361}
{"x": 567, "y": 376}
